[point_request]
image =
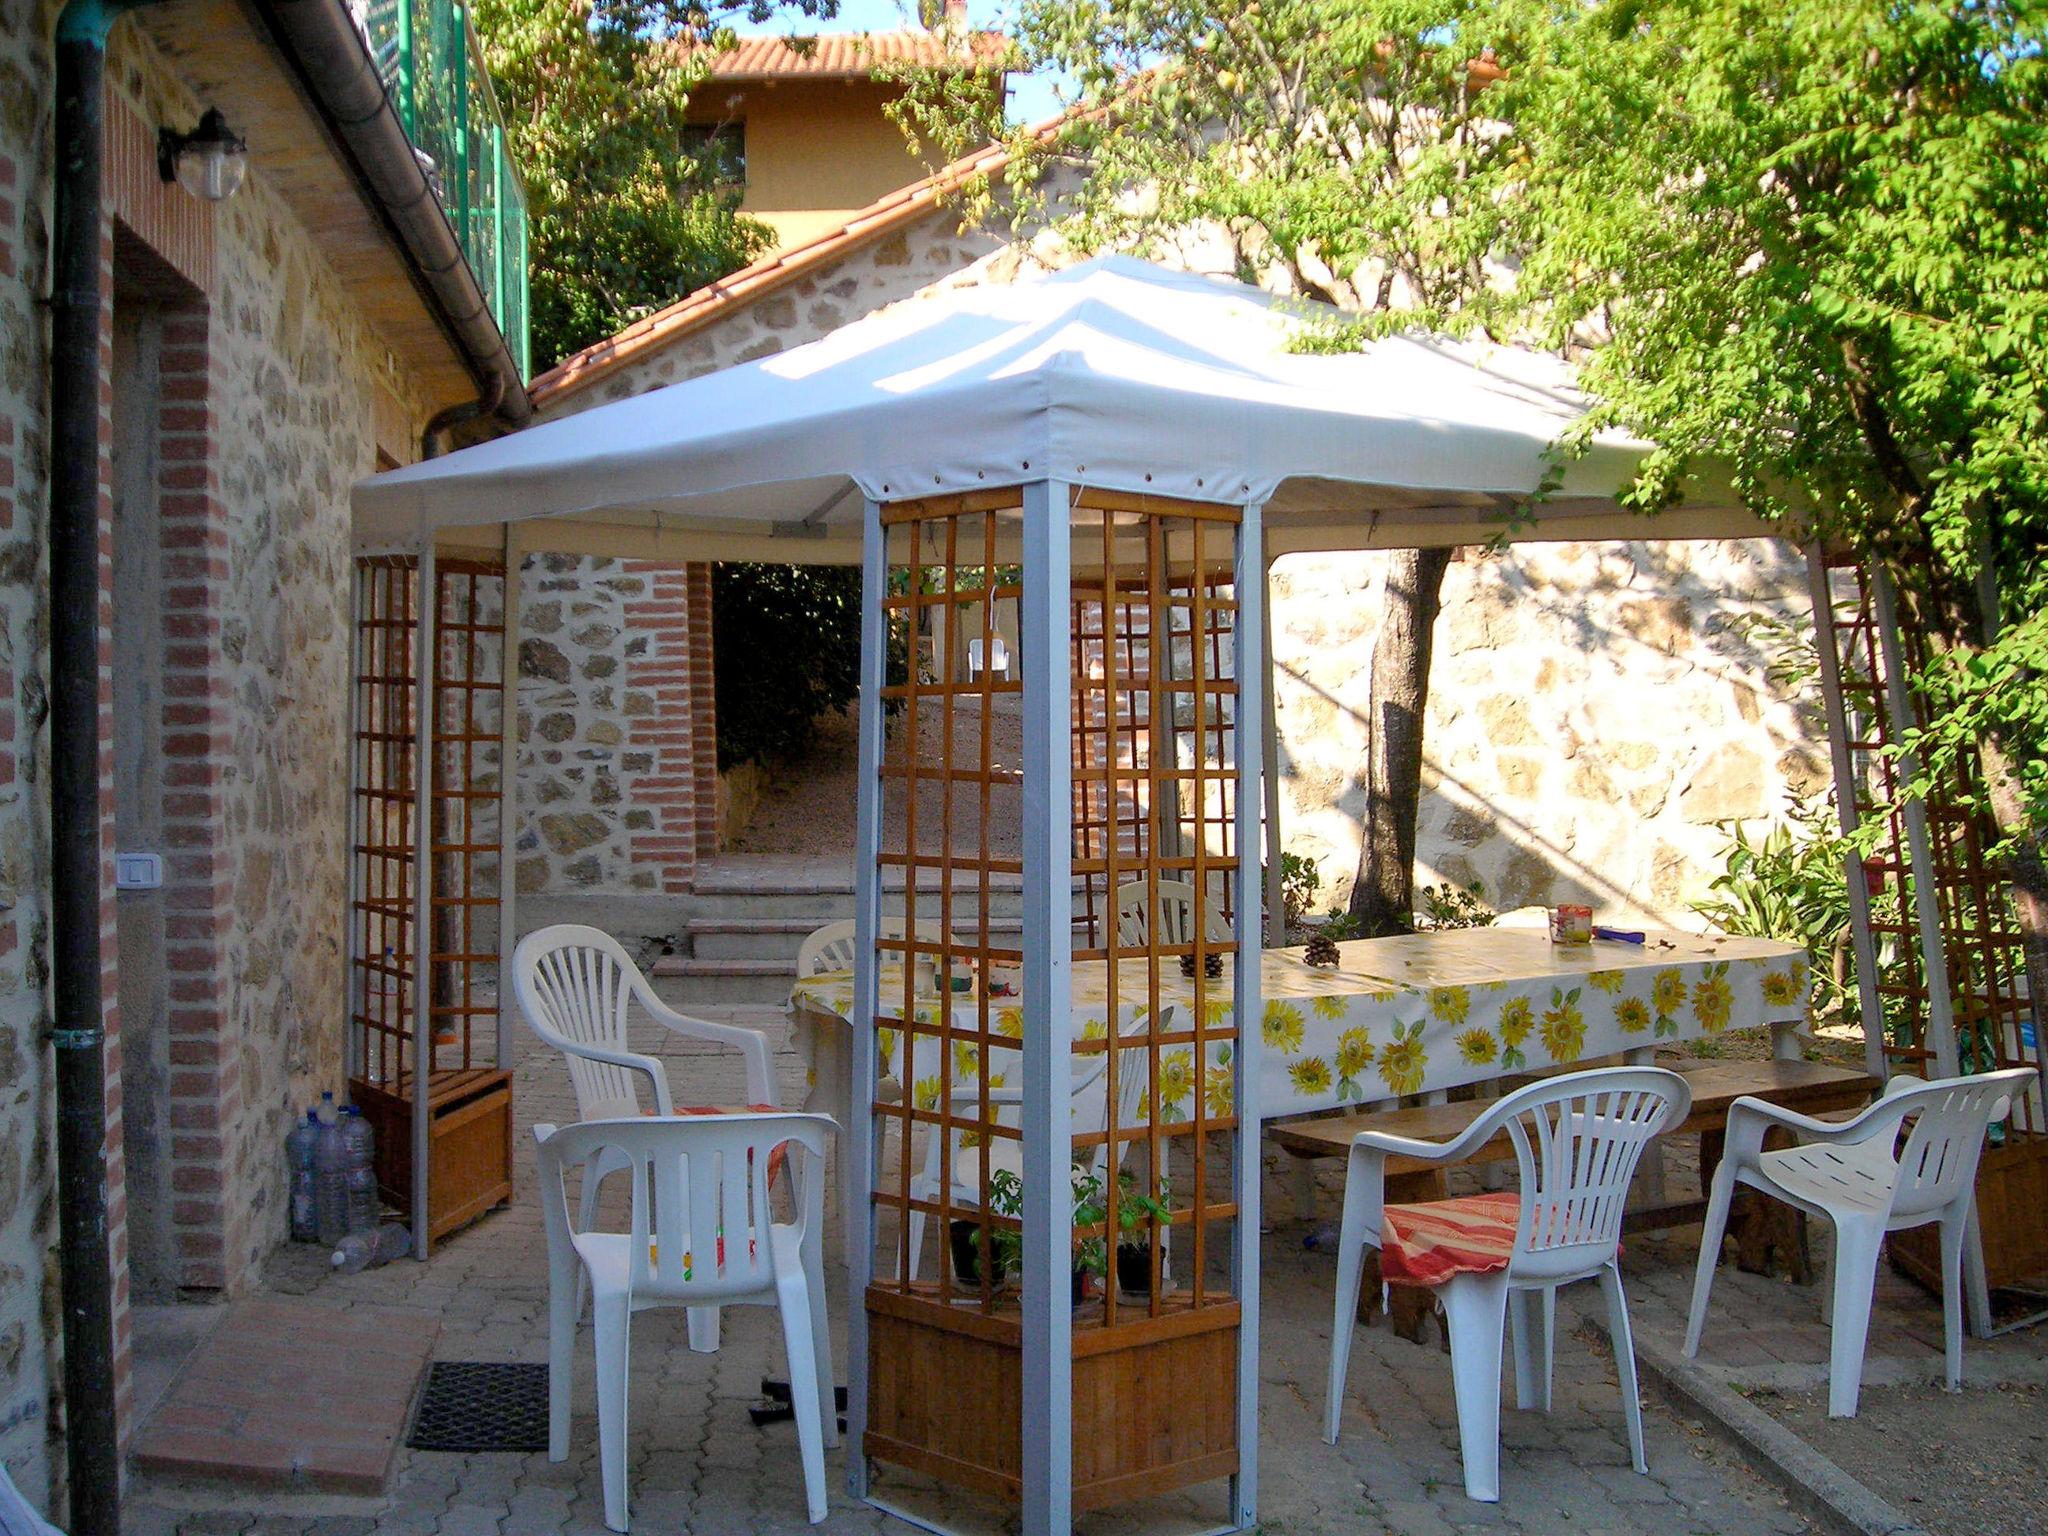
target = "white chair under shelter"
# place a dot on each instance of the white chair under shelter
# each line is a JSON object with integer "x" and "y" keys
{"x": 1577, "y": 1140}
{"x": 1174, "y": 906}
{"x": 575, "y": 986}
{"x": 701, "y": 1235}
{"x": 1859, "y": 1175}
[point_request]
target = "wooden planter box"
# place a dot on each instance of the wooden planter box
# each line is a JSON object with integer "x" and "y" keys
{"x": 2012, "y": 1212}
{"x": 469, "y": 1153}
{"x": 1155, "y": 1399}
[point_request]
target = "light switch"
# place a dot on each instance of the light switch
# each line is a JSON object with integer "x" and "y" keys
{"x": 138, "y": 871}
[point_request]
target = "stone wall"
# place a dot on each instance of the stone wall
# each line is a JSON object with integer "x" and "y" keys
{"x": 274, "y": 393}
{"x": 1595, "y": 711}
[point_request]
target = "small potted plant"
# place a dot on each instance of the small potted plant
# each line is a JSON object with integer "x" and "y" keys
{"x": 1006, "y": 1198}
{"x": 1135, "y": 1210}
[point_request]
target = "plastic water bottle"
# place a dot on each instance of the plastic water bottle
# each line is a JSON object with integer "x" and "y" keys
{"x": 366, "y": 1250}
{"x": 363, "y": 1204}
{"x": 299, "y": 1153}
{"x": 326, "y": 1111}
{"x": 330, "y": 1179}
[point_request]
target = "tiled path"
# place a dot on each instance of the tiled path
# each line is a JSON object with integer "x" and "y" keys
{"x": 698, "y": 1466}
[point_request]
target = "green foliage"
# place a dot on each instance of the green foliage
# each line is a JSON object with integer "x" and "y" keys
{"x": 624, "y": 221}
{"x": 1339, "y": 924}
{"x": 1134, "y": 1209}
{"x": 786, "y": 649}
{"x": 1791, "y": 884}
{"x": 1327, "y": 138}
{"x": 1453, "y": 906}
{"x": 1300, "y": 880}
{"x": 1807, "y": 237}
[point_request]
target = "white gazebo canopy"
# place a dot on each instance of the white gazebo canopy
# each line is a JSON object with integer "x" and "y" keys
{"x": 1114, "y": 375}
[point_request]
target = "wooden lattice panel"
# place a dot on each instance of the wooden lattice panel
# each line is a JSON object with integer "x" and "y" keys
{"x": 1154, "y": 760}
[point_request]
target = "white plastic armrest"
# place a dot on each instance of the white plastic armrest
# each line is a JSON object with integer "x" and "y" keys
{"x": 750, "y": 1043}
{"x": 1460, "y": 1147}
{"x": 1763, "y": 1113}
{"x": 542, "y": 1131}
{"x": 632, "y": 1061}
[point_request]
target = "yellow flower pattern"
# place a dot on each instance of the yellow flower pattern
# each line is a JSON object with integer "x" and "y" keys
{"x": 1478, "y": 1047}
{"x": 1711, "y": 1000}
{"x": 1311, "y": 1075}
{"x": 1451, "y": 1004}
{"x": 1283, "y": 1027}
{"x": 1784, "y": 988}
{"x": 1352, "y": 1036}
{"x": 1564, "y": 1026}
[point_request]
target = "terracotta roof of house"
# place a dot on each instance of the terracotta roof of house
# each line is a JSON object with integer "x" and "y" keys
{"x": 904, "y": 206}
{"x": 855, "y": 55}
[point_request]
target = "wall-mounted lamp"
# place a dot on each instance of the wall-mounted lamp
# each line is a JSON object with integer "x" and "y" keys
{"x": 208, "y": 162}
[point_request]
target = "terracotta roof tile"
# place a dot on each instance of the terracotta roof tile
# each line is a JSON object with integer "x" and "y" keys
{"x": 854, "y": 55}
{"x": 904, "y": 206}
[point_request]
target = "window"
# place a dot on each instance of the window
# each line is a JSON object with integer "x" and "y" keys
{"x": 720, "y": 150}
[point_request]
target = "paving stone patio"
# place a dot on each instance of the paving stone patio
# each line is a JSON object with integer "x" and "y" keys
{"x": 699, "y": 1466}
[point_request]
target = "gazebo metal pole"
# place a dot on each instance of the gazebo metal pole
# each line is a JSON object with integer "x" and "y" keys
{"x": 423, "y": 896}
{"x": 1048, "y": 1461}
{"x": 1869, "y": 1000}
{"x": 1247, "y": 1005}
{"x": 856, "y": 1141}
{"x": 1269, "y": 722}
{"x": 508, "y": 793}
{"x": 1941, "y": 1024}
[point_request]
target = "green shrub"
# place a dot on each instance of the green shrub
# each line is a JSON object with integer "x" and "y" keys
{"x": 786, "y": 649}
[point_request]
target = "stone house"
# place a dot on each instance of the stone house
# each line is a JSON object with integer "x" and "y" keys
{"x": 257, "y": 356}
{"x": 1597, "y": 710}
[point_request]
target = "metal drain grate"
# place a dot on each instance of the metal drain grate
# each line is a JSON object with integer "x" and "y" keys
{"x": 471, "y": 1405}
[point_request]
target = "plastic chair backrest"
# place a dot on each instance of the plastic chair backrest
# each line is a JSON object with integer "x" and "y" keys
{"x": 1176, "y": 910}
{"x": 831, "y": 948}
{"x": 1577, "y": 1141}
{"x": 700, "y": 1213}
{"x": 573, "y": 985}
{"x": 1951, "y": 1115}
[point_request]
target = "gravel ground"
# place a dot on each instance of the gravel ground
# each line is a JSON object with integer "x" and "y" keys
{"x": 1984, "y": 1474}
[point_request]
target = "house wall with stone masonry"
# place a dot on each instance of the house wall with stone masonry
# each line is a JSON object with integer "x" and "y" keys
{"x": 618, "y": 779}
{"x": 274, "y": 390}
{"x": 1595, "y": 710}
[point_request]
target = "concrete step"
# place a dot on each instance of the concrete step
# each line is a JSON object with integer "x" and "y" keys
{"x": 727, "y": 981}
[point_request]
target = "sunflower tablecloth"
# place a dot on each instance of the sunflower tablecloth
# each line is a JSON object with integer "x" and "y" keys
{"x": 1402, "y": 1015}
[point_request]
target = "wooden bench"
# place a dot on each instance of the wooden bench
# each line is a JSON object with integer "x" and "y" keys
{"x": 1811, "y": 1088}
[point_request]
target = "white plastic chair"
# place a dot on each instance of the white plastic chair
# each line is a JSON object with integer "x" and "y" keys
{"x": 831, "y": 948}
{"x": 1857, "y": 1175}
{"x": 702, "y": 1235}
{"x": 1577, "y": 1140}
{"x": 1006, "y": 1153}
{"x": 1176, "y": 908}
{"x": 998, "y": 657}
{"x": 574, "y": 985}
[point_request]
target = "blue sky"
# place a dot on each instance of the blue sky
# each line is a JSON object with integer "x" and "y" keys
{"x": 1031, "y": 97}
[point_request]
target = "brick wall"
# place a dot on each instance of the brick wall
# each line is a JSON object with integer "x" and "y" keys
{"x": 198, "y": 897}
{"x": 660, "y": 673}
{"x": 703, "y": 713}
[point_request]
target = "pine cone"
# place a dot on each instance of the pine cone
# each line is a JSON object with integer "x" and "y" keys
{"x": 1212, "y": 965}
{"x": 1320, "y": 950}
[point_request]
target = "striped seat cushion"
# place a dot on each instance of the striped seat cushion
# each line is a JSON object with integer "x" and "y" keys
{"x": 1427, "y": 1243}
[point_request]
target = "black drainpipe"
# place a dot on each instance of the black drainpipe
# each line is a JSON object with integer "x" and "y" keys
{"x": 91, "y": 1434}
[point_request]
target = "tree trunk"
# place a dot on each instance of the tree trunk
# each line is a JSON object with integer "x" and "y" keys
{"x": 1383, "y": 896}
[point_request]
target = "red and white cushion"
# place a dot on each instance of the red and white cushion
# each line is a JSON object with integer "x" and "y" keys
{"x": 1427, "y": 1243}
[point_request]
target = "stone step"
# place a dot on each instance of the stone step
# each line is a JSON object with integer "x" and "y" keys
{"x": 727, "y": 981}
{"x": 810, "y": 906}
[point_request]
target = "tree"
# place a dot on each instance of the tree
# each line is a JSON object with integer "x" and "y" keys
{"x": 624, "y": 220}
{"x": 1343, "y": 145}
{"x": 1812, "y": 234}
